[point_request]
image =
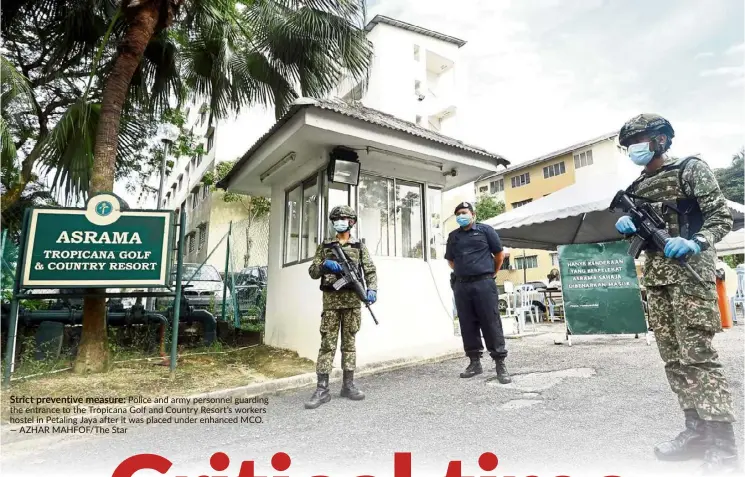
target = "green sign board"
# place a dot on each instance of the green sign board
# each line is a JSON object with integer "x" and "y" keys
{"x": 100, "y": 246}
{"x": 600, "y": 289}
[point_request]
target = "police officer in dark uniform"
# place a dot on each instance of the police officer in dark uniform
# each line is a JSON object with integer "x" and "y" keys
{"x": 475, "y": 254}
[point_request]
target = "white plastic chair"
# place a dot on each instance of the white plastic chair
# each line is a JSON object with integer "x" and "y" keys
{"x": 525, "y": 296}
{"x": 509, "y": 290}
{"x": 739, "y": 297}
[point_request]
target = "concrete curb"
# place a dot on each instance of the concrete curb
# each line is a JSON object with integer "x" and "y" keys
{"x": 256, "y": 389}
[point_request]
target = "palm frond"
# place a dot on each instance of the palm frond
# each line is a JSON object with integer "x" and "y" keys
{"x": 13, "y": 84}
{"x": 68, "y": 150}
{"x": 8, "y": 151}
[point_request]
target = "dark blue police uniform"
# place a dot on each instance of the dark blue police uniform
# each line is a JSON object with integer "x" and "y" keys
{"x": 472, "y": 252}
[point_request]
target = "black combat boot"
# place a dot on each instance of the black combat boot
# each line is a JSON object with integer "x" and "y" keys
{"x": 721, "y": 456}
{"x": 689, "y": 444}
{"x": 349, "y": 390}
{"x": 473, "y": 368}
{"x": 502, "y": 375}
{"x": 321, "y": 395}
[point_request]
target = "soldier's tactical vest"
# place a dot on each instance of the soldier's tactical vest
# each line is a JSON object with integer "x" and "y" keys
{"x": 665, "y": 192}
{"x": 353, "y": 251}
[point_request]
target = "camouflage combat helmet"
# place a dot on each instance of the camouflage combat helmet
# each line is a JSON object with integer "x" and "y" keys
{"x": 342, "y": 211}
{"x": 643, "y": 123}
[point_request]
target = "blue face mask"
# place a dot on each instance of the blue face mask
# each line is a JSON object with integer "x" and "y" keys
{"x": 341, "y": 225}
{"x": 463, "y": 220}
{"x": 640, "y": 153}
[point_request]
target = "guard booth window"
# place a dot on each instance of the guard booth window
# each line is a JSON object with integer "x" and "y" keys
{"x": 302, "y": 204}
{"x": 391, "y": 216}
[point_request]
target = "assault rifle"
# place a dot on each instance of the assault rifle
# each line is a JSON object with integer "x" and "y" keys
{"x": 350, "y": 275}
{"x": 650, "y": 229}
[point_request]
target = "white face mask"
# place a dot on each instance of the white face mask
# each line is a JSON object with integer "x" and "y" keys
{"x": 640, "y": 153}
{"x": 341, "y": 225}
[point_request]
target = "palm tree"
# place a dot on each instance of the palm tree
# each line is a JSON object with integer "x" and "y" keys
{"x": 237, "y": 54}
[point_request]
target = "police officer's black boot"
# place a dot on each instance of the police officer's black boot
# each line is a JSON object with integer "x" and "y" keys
{"x": 473, "y": 368}
{"x": 721, "y": 456}
{"x": 349, "y": 390}
{"x": 321, "y": 395}
{"x": 502, "y": 375}
{"x": 689, "y": 444}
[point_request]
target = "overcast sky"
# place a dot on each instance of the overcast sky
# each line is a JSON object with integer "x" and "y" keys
{"x": 545, "y": 74}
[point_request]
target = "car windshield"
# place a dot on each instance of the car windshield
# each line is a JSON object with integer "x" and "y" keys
{"x": 206, "y": 274}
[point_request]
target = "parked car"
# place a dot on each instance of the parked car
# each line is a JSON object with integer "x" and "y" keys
{"x": 250, "y": 288}
{"x": 534, "y": 285}
{"x": 203, "y": 290}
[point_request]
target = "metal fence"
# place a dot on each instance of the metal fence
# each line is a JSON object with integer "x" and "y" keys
{"x": 246, "y": 273}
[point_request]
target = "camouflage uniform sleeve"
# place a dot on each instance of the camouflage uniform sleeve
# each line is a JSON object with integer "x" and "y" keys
{"x": 371, "y": 274}
{"x": 315, "y": 270}
{"x": 700, "y": 182}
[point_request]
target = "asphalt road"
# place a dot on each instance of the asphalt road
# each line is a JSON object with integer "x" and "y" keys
{"x": 594, "y": 409}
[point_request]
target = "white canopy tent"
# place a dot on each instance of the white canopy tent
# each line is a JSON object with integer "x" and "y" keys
{"x": 573, "y": 215}
{"x": 733, "y": 243}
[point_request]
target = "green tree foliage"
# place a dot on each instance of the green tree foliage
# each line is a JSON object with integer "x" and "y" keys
{"x": 487, "y": 207}
{"x": 732, "y": 180}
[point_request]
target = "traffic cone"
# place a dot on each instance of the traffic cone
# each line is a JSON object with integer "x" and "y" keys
{"x": 723, "y": 302}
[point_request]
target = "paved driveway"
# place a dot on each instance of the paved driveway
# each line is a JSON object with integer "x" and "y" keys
{"x": 599, "y": 405}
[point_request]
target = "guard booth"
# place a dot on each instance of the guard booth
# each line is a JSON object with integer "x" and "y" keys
{"x": 322, "y": 154}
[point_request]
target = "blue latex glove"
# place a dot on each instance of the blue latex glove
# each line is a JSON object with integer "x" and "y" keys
{"x": 372, "y": 296}
{"x": 679, "y": 247}
{"x": 625, "y": 225}
{"x": 332, "y": 266}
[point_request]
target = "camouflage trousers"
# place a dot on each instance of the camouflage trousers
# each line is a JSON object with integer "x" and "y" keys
{"x": 685, "y": 319}
{"x": 348, "y": 320}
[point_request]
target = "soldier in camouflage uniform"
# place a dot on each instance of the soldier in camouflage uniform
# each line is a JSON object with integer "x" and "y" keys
{"x": 341, "y": 309}
{"x": 682, "y": 312}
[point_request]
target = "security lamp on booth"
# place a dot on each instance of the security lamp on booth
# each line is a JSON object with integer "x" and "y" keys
{"x": 343, "y": 167}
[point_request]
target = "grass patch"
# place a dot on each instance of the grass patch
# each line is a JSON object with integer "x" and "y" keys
{"x": 199, "y": 370}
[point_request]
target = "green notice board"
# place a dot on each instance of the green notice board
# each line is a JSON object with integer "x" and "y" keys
{"x": 600, "y": 289}
{"x": 100, "y": 246}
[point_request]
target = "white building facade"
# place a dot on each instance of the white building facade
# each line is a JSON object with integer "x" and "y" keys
{"x": 404, "y": 171}
{"x": 412, "y": 174}
{"x": 415, "y": 75}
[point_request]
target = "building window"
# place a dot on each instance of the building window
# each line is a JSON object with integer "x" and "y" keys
{"x": 521, "y": 180}
{"x": 515, "y": 205}
{"x": 205, "y": 191}
{"x": 483, "y": 189}
{"x": 310, "y": 218}
{"x": 180, "y": 181}
{"x": 416, "y": 52}
{"x": 437, "y": 237}
{"x": 522, "y": 263}
{"x": 554, "y": 170}
{"x": 583, "y": 159}
{"x": 194, "y": 200}
{"x": 292, "y": 224}
{"x": 191, "y": 242}
{"x": 202, "y": 235}
{"x": 498, "y": 186}
{"x": 301, "y": 220}
{"x": 418, "y": 120}
{"x": 554, "y": 259}
{"x": 337, "y": 194}
{"x": 210, "y": 141}
{"x": 505, "y": 264}
{"x": 199, "y": 159}
{"x": 391, "y": 216}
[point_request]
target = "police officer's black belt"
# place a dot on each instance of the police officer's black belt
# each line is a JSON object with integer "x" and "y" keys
{"x": 474, "y": 278}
